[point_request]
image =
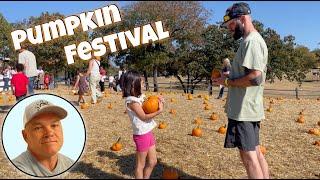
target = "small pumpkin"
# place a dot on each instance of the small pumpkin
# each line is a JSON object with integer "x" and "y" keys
{"x": 214, "y": 116}
{"x": 162, "y": 125}
{"x": 189, "y": 97}
{"x": 117, "y": 146}
{"x": 84, "y": 105}
{"x": 151, "y": 105}
{"x": 199, "y": 96}
{"x": 173, "y": 111}
{"x": 173, "y": 100}
{"x": 215, "y": 73}
{"x": 263, "y": 149}
{"x": 109, "y": 106}
{"x": 197, "y": 131}
{"x": 222, "y": 129}
{"x": 170, "y": 173}
{"x": 206, "y": 97}
{"x": 198, "y": 121}
{"x": 301, "y": 119}
{"x": 314, "y": 131}
{"x": 317, "y": 143}
{"x": 207, "y": 107}
{"x": 269, "y": 109}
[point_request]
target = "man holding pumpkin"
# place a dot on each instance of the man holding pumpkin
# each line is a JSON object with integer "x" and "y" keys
{"x": 245, "y": 97}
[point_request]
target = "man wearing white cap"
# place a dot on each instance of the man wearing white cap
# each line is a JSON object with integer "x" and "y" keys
{"x": 44, "y": 136}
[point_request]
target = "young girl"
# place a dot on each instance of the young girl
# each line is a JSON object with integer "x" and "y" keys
{"x": 82, "y": 85}
{"x": 142, "y": 124}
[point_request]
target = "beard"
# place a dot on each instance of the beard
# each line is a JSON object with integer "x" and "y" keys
{"x": 239, "y": 30}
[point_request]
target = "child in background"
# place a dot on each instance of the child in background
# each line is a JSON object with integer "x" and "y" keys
{"x": 142, "y": 124}
{"x": 46, "y": 80}
{"x": 82, "y": 84}
{"x": 19, "y": 83}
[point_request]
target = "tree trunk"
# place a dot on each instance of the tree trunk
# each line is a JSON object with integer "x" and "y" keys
{"x": 181, "y": 82}
{"x": 146, "y": 80}
{"x": 155, "y": 79}
{"x": 188, "y": 82}
{"x": 210, "y": 87}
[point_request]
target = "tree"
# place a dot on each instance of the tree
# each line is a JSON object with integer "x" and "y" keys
{"x": 6, "y": 46}
{"x": 51, "y": 55}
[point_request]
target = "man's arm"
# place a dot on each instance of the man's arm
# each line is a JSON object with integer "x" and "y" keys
{"x": 253, "y": 78}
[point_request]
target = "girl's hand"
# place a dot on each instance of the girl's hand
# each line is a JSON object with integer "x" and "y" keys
{"x": 161, "y": 102}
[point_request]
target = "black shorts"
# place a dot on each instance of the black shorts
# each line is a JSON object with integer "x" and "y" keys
{"x": 242, "y": 134}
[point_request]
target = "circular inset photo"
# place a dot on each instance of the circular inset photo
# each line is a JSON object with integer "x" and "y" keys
{"x": 43, "y": 135}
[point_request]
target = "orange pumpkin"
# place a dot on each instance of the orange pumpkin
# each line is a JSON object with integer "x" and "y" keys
{"x": 263, "y": 149}
{"x": 173, "y": 111}
{"x": 317, "y": 143}
{"x": 170, "y": 173}
{"x": 84, "y": 105}
{"x": 314, "y": 131}
{"x": 301, "y": 119}
{"x": 197, "y": 132}
{"x": 215, "y": 74}
{"x": 214, "y": 116}
{"x": 151, "y": 105}
{"x": 222, "y": 129}
{"x": 269, "y": 109}
{"x": 190, "y": 97}
{"x": 116, "y": 146}
{"x": 172, "y": 100}
{"x": 162, "y": 125}
{"x": 198, "y": 121}
{"x": 207, "y": 107}
{"x": 199, "y": 96}
{"x": 206, "y": 97}
{"x": 109, "y": 106}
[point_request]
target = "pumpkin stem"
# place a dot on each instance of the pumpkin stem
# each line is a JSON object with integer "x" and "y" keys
{"x": 118, "y": 140}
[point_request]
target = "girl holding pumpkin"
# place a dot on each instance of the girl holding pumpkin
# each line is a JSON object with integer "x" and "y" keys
{"x": 142, "y": 124}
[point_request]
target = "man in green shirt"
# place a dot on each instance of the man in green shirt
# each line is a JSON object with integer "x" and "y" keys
{"x": 245, "y": 97}
{"x": 44, "y": 136}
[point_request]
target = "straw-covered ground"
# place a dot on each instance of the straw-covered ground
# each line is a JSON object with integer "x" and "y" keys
{"x": 290, "y": 150}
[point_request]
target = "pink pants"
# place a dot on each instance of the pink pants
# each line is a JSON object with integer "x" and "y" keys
{"x": 144, "y": 142}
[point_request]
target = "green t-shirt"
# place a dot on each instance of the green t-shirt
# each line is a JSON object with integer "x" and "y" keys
{"x": 27, "y": 163}
{"x": 246, "y": 104}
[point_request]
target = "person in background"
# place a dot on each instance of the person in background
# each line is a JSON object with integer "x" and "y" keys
{"x": 6, "y": 77}
{"x": 28, "y": 59}
{"x": 225, "y": 73}
{"x": 19, "y": 83}
{"x": 103, "y": 74}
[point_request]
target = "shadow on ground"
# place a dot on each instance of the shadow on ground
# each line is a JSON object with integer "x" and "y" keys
{"x": 93, "y": 172}
{"x": 127, "y": 164}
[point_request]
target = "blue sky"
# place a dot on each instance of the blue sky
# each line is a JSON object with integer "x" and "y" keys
{"x": 295, "y": 18}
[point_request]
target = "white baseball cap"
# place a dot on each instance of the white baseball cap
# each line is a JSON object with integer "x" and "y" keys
{"x": 42, "y": 106}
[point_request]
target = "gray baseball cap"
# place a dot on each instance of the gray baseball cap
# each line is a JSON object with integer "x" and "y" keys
{"x": 42, "y": 106}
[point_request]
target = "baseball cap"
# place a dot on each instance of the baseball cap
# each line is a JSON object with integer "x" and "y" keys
{"x": 235, "y": 11}
{"x": 42, "y": 106}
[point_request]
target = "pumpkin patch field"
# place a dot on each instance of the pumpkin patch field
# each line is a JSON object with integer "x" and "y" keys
{"x": 190, "y": 135}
